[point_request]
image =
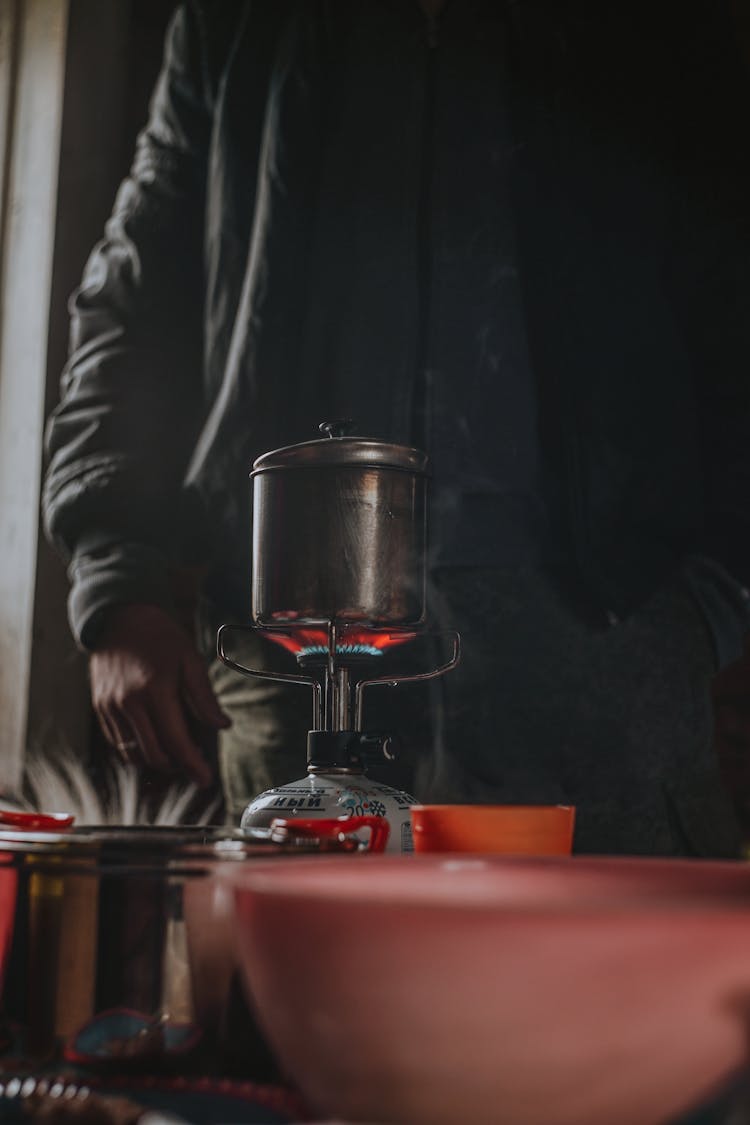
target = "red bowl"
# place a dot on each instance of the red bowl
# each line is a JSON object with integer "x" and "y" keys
{"x": 431, "y": 990}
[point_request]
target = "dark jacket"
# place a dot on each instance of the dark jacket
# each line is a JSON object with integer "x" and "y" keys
{"x": 288, "y": 247}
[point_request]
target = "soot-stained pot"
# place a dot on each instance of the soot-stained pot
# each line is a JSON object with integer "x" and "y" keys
{"x": 339, "y": 529}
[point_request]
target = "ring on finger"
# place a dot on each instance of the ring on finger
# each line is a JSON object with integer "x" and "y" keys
{"x": 126, "y": 746}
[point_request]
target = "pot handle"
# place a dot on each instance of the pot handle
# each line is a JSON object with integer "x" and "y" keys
{"x": 414, "y": 677}
{"x": 342, "y": 427}
{"x": 259, "y": 674}
{"x": 333, "y": 828}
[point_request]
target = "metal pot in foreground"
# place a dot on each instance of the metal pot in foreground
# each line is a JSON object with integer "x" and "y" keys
{"x": 106, "y": 957}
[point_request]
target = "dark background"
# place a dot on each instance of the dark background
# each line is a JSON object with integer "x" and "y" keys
{"x": 114, "y": 51}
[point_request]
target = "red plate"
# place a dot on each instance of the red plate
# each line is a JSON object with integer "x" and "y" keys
{"x": 36, "y": 822}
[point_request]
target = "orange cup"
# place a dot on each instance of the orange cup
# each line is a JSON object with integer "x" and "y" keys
{"x": 494, "y": 829}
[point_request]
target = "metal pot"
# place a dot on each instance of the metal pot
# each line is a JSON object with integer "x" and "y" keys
{"x": 103, "y": 949}
{"x": 339, "y": 532}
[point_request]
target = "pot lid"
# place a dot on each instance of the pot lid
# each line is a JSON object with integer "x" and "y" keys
{"x": 183, "y": 847}
{"x": 341, "y": 447}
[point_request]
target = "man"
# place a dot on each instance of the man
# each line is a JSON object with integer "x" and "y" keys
{"x": 512, "y": 233}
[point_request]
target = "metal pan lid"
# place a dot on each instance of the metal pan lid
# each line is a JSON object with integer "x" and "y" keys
{"x": 128, "y": 845}
{"x": 185, "y": 846}
{"x": 155, "y": 845}
{"x": 341, "y": 448}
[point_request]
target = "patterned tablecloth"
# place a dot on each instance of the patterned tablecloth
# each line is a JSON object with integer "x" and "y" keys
{"x": 197, "y": 1101}
{"x": 210, "y": 1101}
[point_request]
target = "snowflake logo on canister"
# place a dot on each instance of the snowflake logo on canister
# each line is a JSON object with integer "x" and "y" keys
{"x": 358, "y": 802}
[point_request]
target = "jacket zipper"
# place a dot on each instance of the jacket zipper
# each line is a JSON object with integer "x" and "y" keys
{"x": 432, "y": 31}
{"x": 422, "y": 387}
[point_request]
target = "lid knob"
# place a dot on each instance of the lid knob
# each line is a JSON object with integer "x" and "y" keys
{"x": 342, "y": 427}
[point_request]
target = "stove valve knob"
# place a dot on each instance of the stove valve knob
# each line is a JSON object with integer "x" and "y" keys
{"x": 390, "y": 748}
{"x": 377, "y": 745}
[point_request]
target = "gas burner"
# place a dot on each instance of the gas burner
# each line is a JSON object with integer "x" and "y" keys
{"x": 339, "y": 532}
{"x": 342, "y": 650}
{"x": 353, "y": 642}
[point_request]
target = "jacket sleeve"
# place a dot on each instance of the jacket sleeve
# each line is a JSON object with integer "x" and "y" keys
{"x": 131, "y": 392}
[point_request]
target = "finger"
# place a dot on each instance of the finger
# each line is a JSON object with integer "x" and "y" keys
{"x": 199, "y": 695}
{"x": 176, "y": 742}
{"x": 117, "y": 734}
{"x": 105, "y": 726}
{"x": 148, "y": 741}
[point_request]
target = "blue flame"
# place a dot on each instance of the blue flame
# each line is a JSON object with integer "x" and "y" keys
{"x": 358, "y": 649}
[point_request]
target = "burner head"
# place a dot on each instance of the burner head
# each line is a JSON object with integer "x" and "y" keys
{"x": 354, "y": 644}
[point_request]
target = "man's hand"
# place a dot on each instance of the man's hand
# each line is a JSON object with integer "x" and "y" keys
{"x": 731, "y": 699}
{"x": 147, "y": 680}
